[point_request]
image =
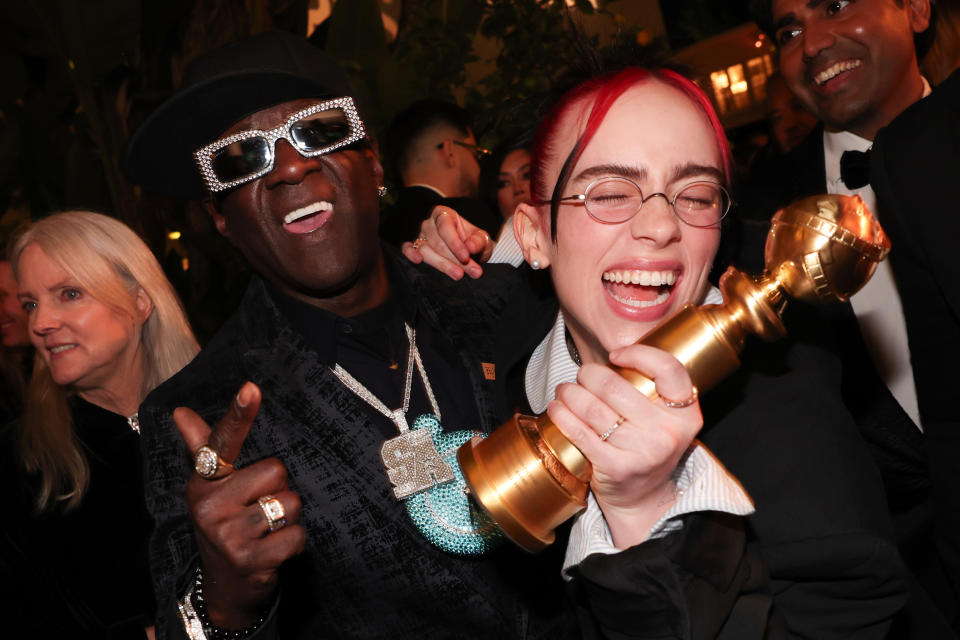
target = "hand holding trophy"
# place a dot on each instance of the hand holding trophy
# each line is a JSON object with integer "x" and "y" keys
{"x": 530, "y": 478}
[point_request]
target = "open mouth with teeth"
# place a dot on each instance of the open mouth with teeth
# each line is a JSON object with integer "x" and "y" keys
{"x": 639, "y": 288}
{"x": 308, "y": 218}
{"x": 60, "y": 348}
{"x": 834, "y": 70}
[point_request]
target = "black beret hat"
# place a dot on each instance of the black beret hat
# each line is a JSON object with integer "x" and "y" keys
{"x": 221, "y": 88}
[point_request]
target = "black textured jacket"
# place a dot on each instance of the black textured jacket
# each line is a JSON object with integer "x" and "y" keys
{"x": 366, "y": 572}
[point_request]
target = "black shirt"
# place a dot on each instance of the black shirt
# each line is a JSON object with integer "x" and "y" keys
{"x": 372, "y": 347}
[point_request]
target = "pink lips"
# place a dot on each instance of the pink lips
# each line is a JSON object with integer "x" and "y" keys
{"x": 308, "y": 223}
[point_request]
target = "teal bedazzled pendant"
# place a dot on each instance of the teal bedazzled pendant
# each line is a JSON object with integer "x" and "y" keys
{"x": 444, "y": 514}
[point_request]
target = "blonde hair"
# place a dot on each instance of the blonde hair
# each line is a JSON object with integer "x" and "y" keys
{"x": 112, "y": 264}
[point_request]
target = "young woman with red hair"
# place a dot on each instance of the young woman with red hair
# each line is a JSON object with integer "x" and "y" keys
{"x": 753, "y": 512}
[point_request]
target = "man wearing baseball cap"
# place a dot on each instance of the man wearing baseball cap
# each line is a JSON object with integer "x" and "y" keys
{"x": 306, "y": 512}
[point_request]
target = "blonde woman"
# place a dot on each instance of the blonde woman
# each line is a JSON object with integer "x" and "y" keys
{"x": 108, "y": 328}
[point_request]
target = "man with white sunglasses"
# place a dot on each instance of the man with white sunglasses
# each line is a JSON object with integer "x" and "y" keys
{"x": 307, "y": 510}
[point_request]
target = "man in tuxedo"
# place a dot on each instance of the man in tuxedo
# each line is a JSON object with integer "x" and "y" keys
{"x": 434, "y": 153}
{"x": 914, "y": 167}
{"x": 854, "y": 65}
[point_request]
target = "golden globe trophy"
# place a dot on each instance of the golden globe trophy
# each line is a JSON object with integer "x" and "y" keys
{"x": 530, "y": 478}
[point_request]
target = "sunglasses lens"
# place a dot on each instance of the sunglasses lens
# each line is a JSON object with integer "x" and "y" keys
{"x": 320, "y": 130}
{"x": 240, "y": 159}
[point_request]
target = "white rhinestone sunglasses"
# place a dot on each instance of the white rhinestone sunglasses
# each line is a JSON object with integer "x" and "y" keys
{"x": 247, "y": 155}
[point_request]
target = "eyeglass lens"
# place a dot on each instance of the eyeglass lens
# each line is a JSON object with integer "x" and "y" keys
{"x": 617, "y": 200}
{"x": 311, "y": 133}
{"x": 320, "y": 130}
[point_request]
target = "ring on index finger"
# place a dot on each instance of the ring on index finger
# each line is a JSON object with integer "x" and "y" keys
{"x": 273, "y": 512}
{"x": 680, "y": 404}
{"x": 209, "y": 465}
{"x": 437, "y": 217}
{"x": 419, "y": 241}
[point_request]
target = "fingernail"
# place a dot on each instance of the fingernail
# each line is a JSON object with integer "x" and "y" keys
{"x": 243, "y": 397}
{"x": 475, "y": 272}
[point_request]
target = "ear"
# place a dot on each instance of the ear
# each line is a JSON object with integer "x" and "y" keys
{"x": 144, "y": 305}
{"x": 531, "y": 233}
{"x": 219, "y": 220}
{"x": 446, "y": 148}
{"x": 918, "y": 11}
{"x": 371, "y": 153}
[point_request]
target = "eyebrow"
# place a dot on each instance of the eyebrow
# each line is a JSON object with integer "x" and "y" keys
{"x": 520, "y": 168}
{"x": 791, "y": 17}
{"x": 691, "y": 170}
{"x": 65, "y": 283}
{"x": 638, "y": 175}
{"x": 620, "y": 170}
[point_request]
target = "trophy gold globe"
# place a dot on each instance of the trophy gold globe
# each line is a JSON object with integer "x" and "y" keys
{"x": 530, "y": 478}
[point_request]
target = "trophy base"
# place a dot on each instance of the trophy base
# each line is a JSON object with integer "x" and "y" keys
{"x": 517, "y": 477}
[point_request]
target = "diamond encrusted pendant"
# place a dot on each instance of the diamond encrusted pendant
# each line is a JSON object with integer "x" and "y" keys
{"x": 444, "y": 514}
{"x": 412, "y": 461}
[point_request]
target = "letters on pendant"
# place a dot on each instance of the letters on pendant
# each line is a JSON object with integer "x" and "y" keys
{"x": 413, "y": 464}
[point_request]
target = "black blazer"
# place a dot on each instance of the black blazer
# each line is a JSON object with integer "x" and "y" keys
{"x": 821, "y": 529}
{"x": 892, "y": 435}
{"x": 401, "y": 222}
{"x": 366, "y": 572}
{"x": 893, "y": 438}
{"x": 915, "y": 170}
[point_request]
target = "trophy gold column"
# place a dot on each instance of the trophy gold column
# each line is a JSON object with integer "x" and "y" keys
{"x": 530, "y": 478}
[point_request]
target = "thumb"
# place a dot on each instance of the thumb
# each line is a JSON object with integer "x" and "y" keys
{"x": 194, "y": 431}
{"x": 228, "y": 435}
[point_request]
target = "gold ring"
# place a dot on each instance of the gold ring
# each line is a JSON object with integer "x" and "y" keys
{"x": 437, "y": 217}
{"x": 670, "y": 404}
{"x": 419, "y": 241}
{"x": 209, "y": 465}
{"x": 273, "y": 512}
{"x": 616, "y": 425}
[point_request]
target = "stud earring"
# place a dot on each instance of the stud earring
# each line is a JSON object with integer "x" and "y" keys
{"x": 381, "y": 191}
{"x": 535, "y": 265}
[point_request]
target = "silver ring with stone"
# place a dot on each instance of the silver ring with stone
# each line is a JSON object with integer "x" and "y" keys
{"x": 209, "y": 465}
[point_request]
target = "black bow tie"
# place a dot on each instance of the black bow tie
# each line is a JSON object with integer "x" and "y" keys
{"x": 855, "y": 168}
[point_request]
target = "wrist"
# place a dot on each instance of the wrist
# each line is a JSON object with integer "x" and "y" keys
{"x": 200, "y": 625}
{"x": 633, "y": 524}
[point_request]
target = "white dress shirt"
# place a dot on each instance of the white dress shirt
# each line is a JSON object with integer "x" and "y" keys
{"x": 877, "y": 306}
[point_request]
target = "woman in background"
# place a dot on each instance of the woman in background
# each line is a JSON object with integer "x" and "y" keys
{"x": 107, "y": 328}
{"x": 505, "y": 181}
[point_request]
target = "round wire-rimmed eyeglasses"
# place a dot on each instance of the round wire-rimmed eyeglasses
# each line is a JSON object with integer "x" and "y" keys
{"x": 615, "y": 199}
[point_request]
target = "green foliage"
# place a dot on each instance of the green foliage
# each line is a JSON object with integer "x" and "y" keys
{"x": 436, "y": 44}
{"x": 533, "y": 37}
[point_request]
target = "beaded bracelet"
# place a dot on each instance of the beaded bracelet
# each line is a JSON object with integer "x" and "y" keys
{"x": 212, "y": 631}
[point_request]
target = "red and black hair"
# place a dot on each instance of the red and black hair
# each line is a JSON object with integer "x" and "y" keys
{"x": 604, "y": 90}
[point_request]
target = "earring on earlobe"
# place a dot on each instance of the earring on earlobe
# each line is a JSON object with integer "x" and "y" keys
{"x": 381, "y": 191}
{"x": 535, "y": 265}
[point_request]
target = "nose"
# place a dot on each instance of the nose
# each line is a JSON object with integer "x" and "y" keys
{"x": 816, "y": 37}
{"x": 656, "y": 222}
{"x": 44, "y": 320}
{"x": 289, "y": 167}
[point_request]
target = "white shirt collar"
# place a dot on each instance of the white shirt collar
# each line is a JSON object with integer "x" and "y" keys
{"x": 427, "y": 186}
{"x": 551, "y": 363}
